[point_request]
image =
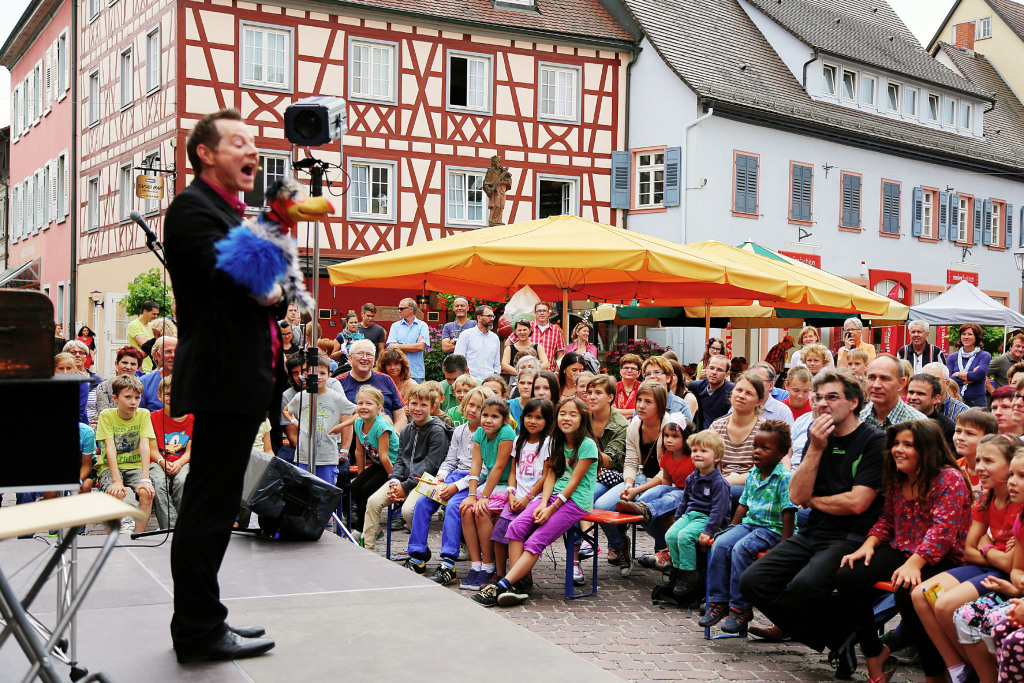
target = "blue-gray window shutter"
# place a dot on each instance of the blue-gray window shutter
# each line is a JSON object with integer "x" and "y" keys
{"x": 943, "y": 215}
{"x": 1021, "y": 238}
{"x": 1009, "y": 226}
{"x": 886, "y": 207}
{"x": 847, "y": 202}
{"x": 915, "y": 225}
{"x": 986, "y": 234}
{"x": 978, "y": 215}
{"x": 673, "y": 175}
{"x": 620, "y": 180}
{"x": 746, "y": 184}
{"x": 740, "y": 184}
{"x": 954, "y": 217}
{"x": 894, "y": 208}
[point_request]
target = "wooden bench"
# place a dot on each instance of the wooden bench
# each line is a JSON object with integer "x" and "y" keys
{"x": 574, "y": 534}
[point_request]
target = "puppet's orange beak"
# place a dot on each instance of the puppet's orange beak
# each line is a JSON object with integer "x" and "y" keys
{"x": 311, "y": 209}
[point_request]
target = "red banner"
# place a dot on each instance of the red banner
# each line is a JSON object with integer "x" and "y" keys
{"x": 899, "y": 291}
{"x": 942, "y": 337}
{"x": 809, "y": 259}
{"x": 955, "y": 276}
{"x": 890, "y": 339}
{"x": 728, "y": 340}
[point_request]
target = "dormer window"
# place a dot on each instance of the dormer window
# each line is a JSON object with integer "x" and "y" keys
{"x": 933, "y": 108}
{"x": 949, "y": 112}
{"x": 910, "y": 102}
{"x": 868, "y": 90}
{"x": 965, "y": 115}
{"x": 849, "y": 85}
{"x": 828, "y": 84}
{"x": 892, "y": 97}
{"x": 515, "y": 4}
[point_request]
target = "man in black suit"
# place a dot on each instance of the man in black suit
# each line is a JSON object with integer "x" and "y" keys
{"x": 228, "y": 373}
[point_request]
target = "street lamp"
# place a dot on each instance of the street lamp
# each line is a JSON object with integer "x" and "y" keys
{"x": 1018, "y": 258}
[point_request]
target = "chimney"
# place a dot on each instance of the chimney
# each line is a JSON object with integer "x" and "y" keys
{"x": 964, "y": 35}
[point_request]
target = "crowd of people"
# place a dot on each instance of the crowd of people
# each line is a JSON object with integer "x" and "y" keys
{"x": 790, "y": 487}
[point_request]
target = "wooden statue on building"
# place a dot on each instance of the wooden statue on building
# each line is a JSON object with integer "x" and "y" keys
{"x": 497, "y": 182}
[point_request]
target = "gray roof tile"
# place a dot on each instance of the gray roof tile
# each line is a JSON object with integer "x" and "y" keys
{"x": 1012, "y": 13}
{"x": 714, "y": 47}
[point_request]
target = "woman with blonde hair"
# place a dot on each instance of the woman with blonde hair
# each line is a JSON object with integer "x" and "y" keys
{"x": 809, "y": 336}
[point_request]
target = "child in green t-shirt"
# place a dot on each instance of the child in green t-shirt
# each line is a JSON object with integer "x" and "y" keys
{"x": 461, "y": 387}
{"x": 125, "y": 434}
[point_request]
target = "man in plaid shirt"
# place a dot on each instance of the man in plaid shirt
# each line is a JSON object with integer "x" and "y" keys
{"x": 551, "y": 337}
{"x": 777, "y": 354}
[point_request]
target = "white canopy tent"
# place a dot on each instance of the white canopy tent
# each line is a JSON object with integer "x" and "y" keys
{"x": 965, "y": 303}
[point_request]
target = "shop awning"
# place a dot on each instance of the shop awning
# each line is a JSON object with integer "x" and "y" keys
{"x": 25, "y": 276}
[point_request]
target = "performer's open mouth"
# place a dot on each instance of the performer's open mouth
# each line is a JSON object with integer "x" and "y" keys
{"x": 249, "y": 170}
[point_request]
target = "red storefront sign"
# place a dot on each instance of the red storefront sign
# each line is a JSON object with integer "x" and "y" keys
{"x": 942, "y": 337}
{"x": 955, "y": 276}
{"x": 809, "y": 259}
{"x": 728, "y": 340}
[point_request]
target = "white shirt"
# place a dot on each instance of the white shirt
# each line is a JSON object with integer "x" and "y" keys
{"x": 482, "y": 352}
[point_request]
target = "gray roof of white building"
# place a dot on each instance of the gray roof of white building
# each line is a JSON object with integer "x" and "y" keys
{"x": 721, "y": 55}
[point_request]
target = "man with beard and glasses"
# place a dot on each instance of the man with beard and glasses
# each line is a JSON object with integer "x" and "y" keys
{"x": 481, "y": 346}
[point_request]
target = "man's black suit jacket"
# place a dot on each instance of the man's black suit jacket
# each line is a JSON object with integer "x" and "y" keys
{"x": 223, "y": 359}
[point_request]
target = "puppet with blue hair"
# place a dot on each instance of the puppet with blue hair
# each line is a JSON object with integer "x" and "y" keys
{"x": 261, "y": 252}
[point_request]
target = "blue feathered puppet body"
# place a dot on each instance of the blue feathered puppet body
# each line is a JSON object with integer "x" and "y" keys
{"x": 261, "y": 252}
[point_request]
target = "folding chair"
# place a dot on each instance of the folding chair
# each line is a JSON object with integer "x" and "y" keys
{"x": 71, "y": 513}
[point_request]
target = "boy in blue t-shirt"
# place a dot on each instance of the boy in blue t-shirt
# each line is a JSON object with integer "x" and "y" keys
{"x": 765, "y": 516}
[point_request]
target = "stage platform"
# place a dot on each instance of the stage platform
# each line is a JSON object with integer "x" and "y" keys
{"x": 337, "y": 612}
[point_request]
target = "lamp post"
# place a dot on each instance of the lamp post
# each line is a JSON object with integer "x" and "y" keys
{"x": 1018, "y": 259}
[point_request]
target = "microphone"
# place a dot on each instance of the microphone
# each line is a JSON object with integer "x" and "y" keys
{"x": 150, "y": 235}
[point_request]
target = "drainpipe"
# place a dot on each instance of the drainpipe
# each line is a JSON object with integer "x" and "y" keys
{"x": 814, "y": 58}
{"x": 629, "y": 78}
{"x": 686, "y": 170}
{"x": 73, "y": 160}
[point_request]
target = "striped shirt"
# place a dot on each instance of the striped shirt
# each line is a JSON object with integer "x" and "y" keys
{"x": 901, "y": 412}
{"x": 952, "y": 407}
{"x": 553, "y": 340}
{"x": 739, "y": 457}
{"x": 767, "y": 499}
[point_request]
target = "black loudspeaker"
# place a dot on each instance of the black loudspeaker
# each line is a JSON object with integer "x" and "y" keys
{"x": 292, "y": 504}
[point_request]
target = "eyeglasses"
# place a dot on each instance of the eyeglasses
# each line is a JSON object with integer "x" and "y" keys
{"x": 78, "y": 352}
{"x": 361, "y": 354}
{"x": 827, "y": 398}
{"x": 654, "y": 373}
{"x": 486, "y": 315}
{"x": 404, "y": 308}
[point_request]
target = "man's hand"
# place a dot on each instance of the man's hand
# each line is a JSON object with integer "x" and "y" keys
{"x": 821, "y": 429}
{"x": 396, "y": 493}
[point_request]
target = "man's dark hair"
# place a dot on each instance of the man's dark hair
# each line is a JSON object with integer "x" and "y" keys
{"x": 455, "y": 362}
{"x": 930, "y": 380}
{"x": 852, "y": 388}
{"x": 369, "y": 307}
{"x": 149, "y": 305}
{"x": 205, "y": 132}
{"x": 480, "y": 310}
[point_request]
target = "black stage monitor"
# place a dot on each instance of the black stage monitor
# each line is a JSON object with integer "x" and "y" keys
{"x": 39, "y": 444}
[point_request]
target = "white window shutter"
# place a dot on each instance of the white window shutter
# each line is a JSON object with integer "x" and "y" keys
{"x": 53, "y": 190}
{"x": 47, "y": 79}
{"x": 67, "y": 186}
{"x": 67, "y": 66}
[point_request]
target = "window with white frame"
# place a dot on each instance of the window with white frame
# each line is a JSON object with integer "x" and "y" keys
{"x": 962, "y": 216}
{"x": 372, "y": 190}
{"x": 924, "y": 297}
{"x": 37, "y": 94}
{"x": 467, "y": 203}
{"x": 997, "y": 222}
{"x": 127, "y": 74}
{"x": 373, "y": 71}
{"x": 62, "y": 64}
{"x": 94, "y": 98}
{"x": 828, "y": 80}
{"x": 650, "y": 180}
{"x": 93, "y": 196}
{"x": 557, "y": 196}
{"x": 273, "y": 167}
{"x": 153, "y": 60}
{"x": 559, "y": 93}
{"x": 47, "y": 188}
{"x": 15, "y": 212}
{"x": 849, "y": 85}
{"x": 469, "y": 82}
{"x": 94, "y": 9}
{"x": 983, "y": 29}
{"x": 910, "y": 102}
{"x": 965, "y": 115}
{"x": 15, "y": 121}
{"x": 949, "y": 112}
{"x": 868, "y": 85}
{"x": 266, "y": 56}
{"x": 892, "y": 97}
{"x": 125, "y": 188}
{"x": 933, "y": 108}
{"x": 927, "y": 211}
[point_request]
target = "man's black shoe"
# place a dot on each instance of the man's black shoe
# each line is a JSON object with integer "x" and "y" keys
{"x": 247, "y": 631}
{"x": 227, "y": 647}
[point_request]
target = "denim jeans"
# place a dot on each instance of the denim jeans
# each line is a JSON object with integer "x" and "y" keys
{"x": 734, "y": 550}
{"x": 662, "y": 501}
{"x": 608, "y": 502}
{"x": 451, "y": 529}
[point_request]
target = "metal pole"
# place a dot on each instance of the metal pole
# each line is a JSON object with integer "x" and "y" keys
{"x": 315, "y": 190}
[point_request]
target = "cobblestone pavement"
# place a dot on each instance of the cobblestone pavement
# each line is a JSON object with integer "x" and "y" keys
{"x": 622, "y": 631}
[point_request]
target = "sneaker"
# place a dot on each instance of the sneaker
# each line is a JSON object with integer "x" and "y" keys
{"x": 663, "y": 560}
{"x": 416, "y": 566}
{"x": 587, "y": 550}
{"x": 488, "y": 595}
{"x": 577, "y": 575}
{"x": 635, "y": 507}
{"x": 714, "y": 614}
{"x": 686, "y": 583}
{"x": 485, "y": 578}
{"x": 398, "y": 524}
{"x": 472, "y": 581}
{"x": 128, "y": 525}
{"x": 737, "y": 621}
{"x": 443, "y": 575}
{"x": 625, "y": 559}
{"x": 463, "y": 552}
{"x": 513, "y": 596}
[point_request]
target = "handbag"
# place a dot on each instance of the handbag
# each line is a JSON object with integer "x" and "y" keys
{"x": 609, "y": 477}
